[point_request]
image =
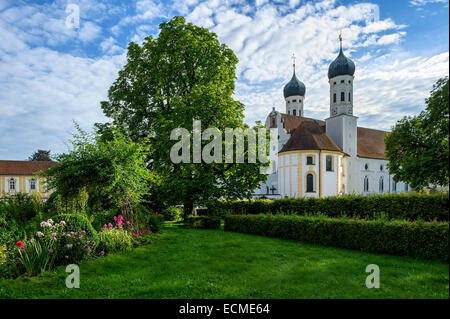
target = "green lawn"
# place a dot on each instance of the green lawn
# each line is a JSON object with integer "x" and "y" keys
{"x": 188, "y": 263}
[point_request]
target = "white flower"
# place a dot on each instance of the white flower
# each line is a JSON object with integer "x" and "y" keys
{"x": 62, "y": 222}
{"x": 39, "y": 234}
{"x": 69, "y": 245}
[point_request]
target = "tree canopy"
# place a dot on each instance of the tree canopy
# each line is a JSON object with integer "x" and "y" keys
{"x": 40, "y": 155}
{"x": 418, "y": 146}
{"x": 184, "y": 74}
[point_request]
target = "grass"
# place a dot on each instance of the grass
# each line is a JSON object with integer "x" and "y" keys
{"x": 189, "y": 263}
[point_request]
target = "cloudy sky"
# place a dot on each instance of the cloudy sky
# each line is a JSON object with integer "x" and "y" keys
{"x": 52, "y": 73}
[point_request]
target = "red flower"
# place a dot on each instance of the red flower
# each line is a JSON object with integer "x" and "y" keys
{"x": 19, "y": 244}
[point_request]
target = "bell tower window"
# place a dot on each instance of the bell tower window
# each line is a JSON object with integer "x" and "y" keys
{"x": 294, "y": 112}
{"x": 349, "y": 98}
{"x": 334, "y": 98}
{"x": 342, "y": 96}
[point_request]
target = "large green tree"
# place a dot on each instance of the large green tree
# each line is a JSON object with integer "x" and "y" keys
{"x": 418, "y": 147}
{"x": 184, "y": 74}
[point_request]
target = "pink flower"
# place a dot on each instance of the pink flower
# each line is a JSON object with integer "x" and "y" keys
{"x": 89, "y": 249}
{"x": 115, "y": 218}
{"x": 128, "y": 222}
{"x": 67, "y": 257}
{"x": 102, "y": 253}
{"x": 135, "y": 235}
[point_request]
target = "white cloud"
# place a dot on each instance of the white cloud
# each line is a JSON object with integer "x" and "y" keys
{"x": 421, "y": 3}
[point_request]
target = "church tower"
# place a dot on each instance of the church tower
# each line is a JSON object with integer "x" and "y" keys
{"x": 341, "y": 126}
{"x": 294, "y": 94}
{"x": 340, "y": 78}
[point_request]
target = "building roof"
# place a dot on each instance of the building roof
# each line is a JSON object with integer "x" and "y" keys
{"x": 370, "y": 142}
{"x": 341, "y": 66}
{"x": 24, "y": 167}
{"x": 294, "y": 87}
{"x": 309, "y": 135}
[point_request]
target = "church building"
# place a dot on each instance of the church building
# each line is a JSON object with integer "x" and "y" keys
{"x": 331, "y": 157}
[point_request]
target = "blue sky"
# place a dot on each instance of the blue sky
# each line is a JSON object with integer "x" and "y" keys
{"x": 51, "y": 74}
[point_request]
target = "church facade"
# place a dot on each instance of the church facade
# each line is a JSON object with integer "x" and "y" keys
{"x": 331, "y": 157}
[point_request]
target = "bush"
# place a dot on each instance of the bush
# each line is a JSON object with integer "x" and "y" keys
{"x": 205, "y": 222}
{"x": 114, "y": 240}
{"x": 426, "y": 207}
{"x": 428, "y": 240}
{"x": 172, "y": 213}
{"x": 35, "y": 257}
{"x": 154, "y": 223}
{"x": 78, "y": 223}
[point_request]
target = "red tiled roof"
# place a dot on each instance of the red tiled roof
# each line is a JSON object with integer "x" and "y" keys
{"x": 370, "y": 142}
{"x": 309, "y": 135}
{"x": 24, "y": 167}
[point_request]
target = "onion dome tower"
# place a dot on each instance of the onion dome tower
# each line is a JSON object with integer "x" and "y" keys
{"x": 340, "y": 78}
{"x": 294, "y": 94}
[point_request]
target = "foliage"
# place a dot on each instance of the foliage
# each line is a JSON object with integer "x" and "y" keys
{"x": 70, "y": 238}
{"x": 172, "y": 213}
{"x": 428, "y": 240}
{"x": 107, "y": 170}
{"x": 183, "y": 75}
{"x": 40, "y": 155}
{"x": 8, "y": 266}
{"x": 79, "y": 224}
{"x": 114, "y": 240}
{"x": 206, "y": 222}
{"x": 154, "y": 222}
{"x": 418, "y": 147}
{"x": 395, "y": 206}
{"x": 36, "y": 257}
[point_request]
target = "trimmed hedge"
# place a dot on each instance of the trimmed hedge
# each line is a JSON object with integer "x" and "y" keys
{"x": 427, "y": 240}
{"x": 427, "y": 207}
{"x": 205, "y": 222}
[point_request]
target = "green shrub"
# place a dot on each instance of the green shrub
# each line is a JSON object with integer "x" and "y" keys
{"x": 172, "y": 213}
{"x": 428, "y": 240}
{"x": 426, "y": 207}
{"x": 78, "y": 223}
{"x": 114, "y": 240}
{"x": 154, "y": 223}
{"x": 206, "y": 222}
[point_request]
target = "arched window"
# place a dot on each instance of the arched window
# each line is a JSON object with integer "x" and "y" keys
{"x": 349, "y": 97}
{"x": 329, "y": 163}
{"x": 381, "y": 167}
{"x": 381, "y": 185}
{"x": 12, "y": 184}
{"x": 310, "y": 183}
{"x": 294, "y": 112}
{"x": 366, "y": 184}
{"x": 334, "y": 98}
{"x": 366, "y": 167}
{"x": 342, "y": 96}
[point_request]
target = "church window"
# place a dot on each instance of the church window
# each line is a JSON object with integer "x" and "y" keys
{"x": 334, "y": 83}
{"x": 273, "y": 122}
{"x": 267, "y": 189}
{"x": 342, "y": 96}
{"x": 309, "y": 160}
{"x": 289, "y": 112}
{"x": 293, "y": 101}
{"x": 278, "y": 136}
{"x": 310, "y": 183}
{"x": 342, "y": 81}
{"x": 366, "y": 167}
{"x": 12, "y": 184}
{"x": 406, "y": 187}
{"x": 334, "y": 98}
{"x": 381, "y": 167}
{"x": 349, "y": 97}
{"x": 381, "y": 185}
{"x": 294, "y": 112}
{"x": 366, "y": 183}
{"x": 394, "y": 186}
{"x": 349, "y": 82}
{"x": 32, "y": 184}
{"x": 329, "y": 163}
{"x": 289, "y": 102}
